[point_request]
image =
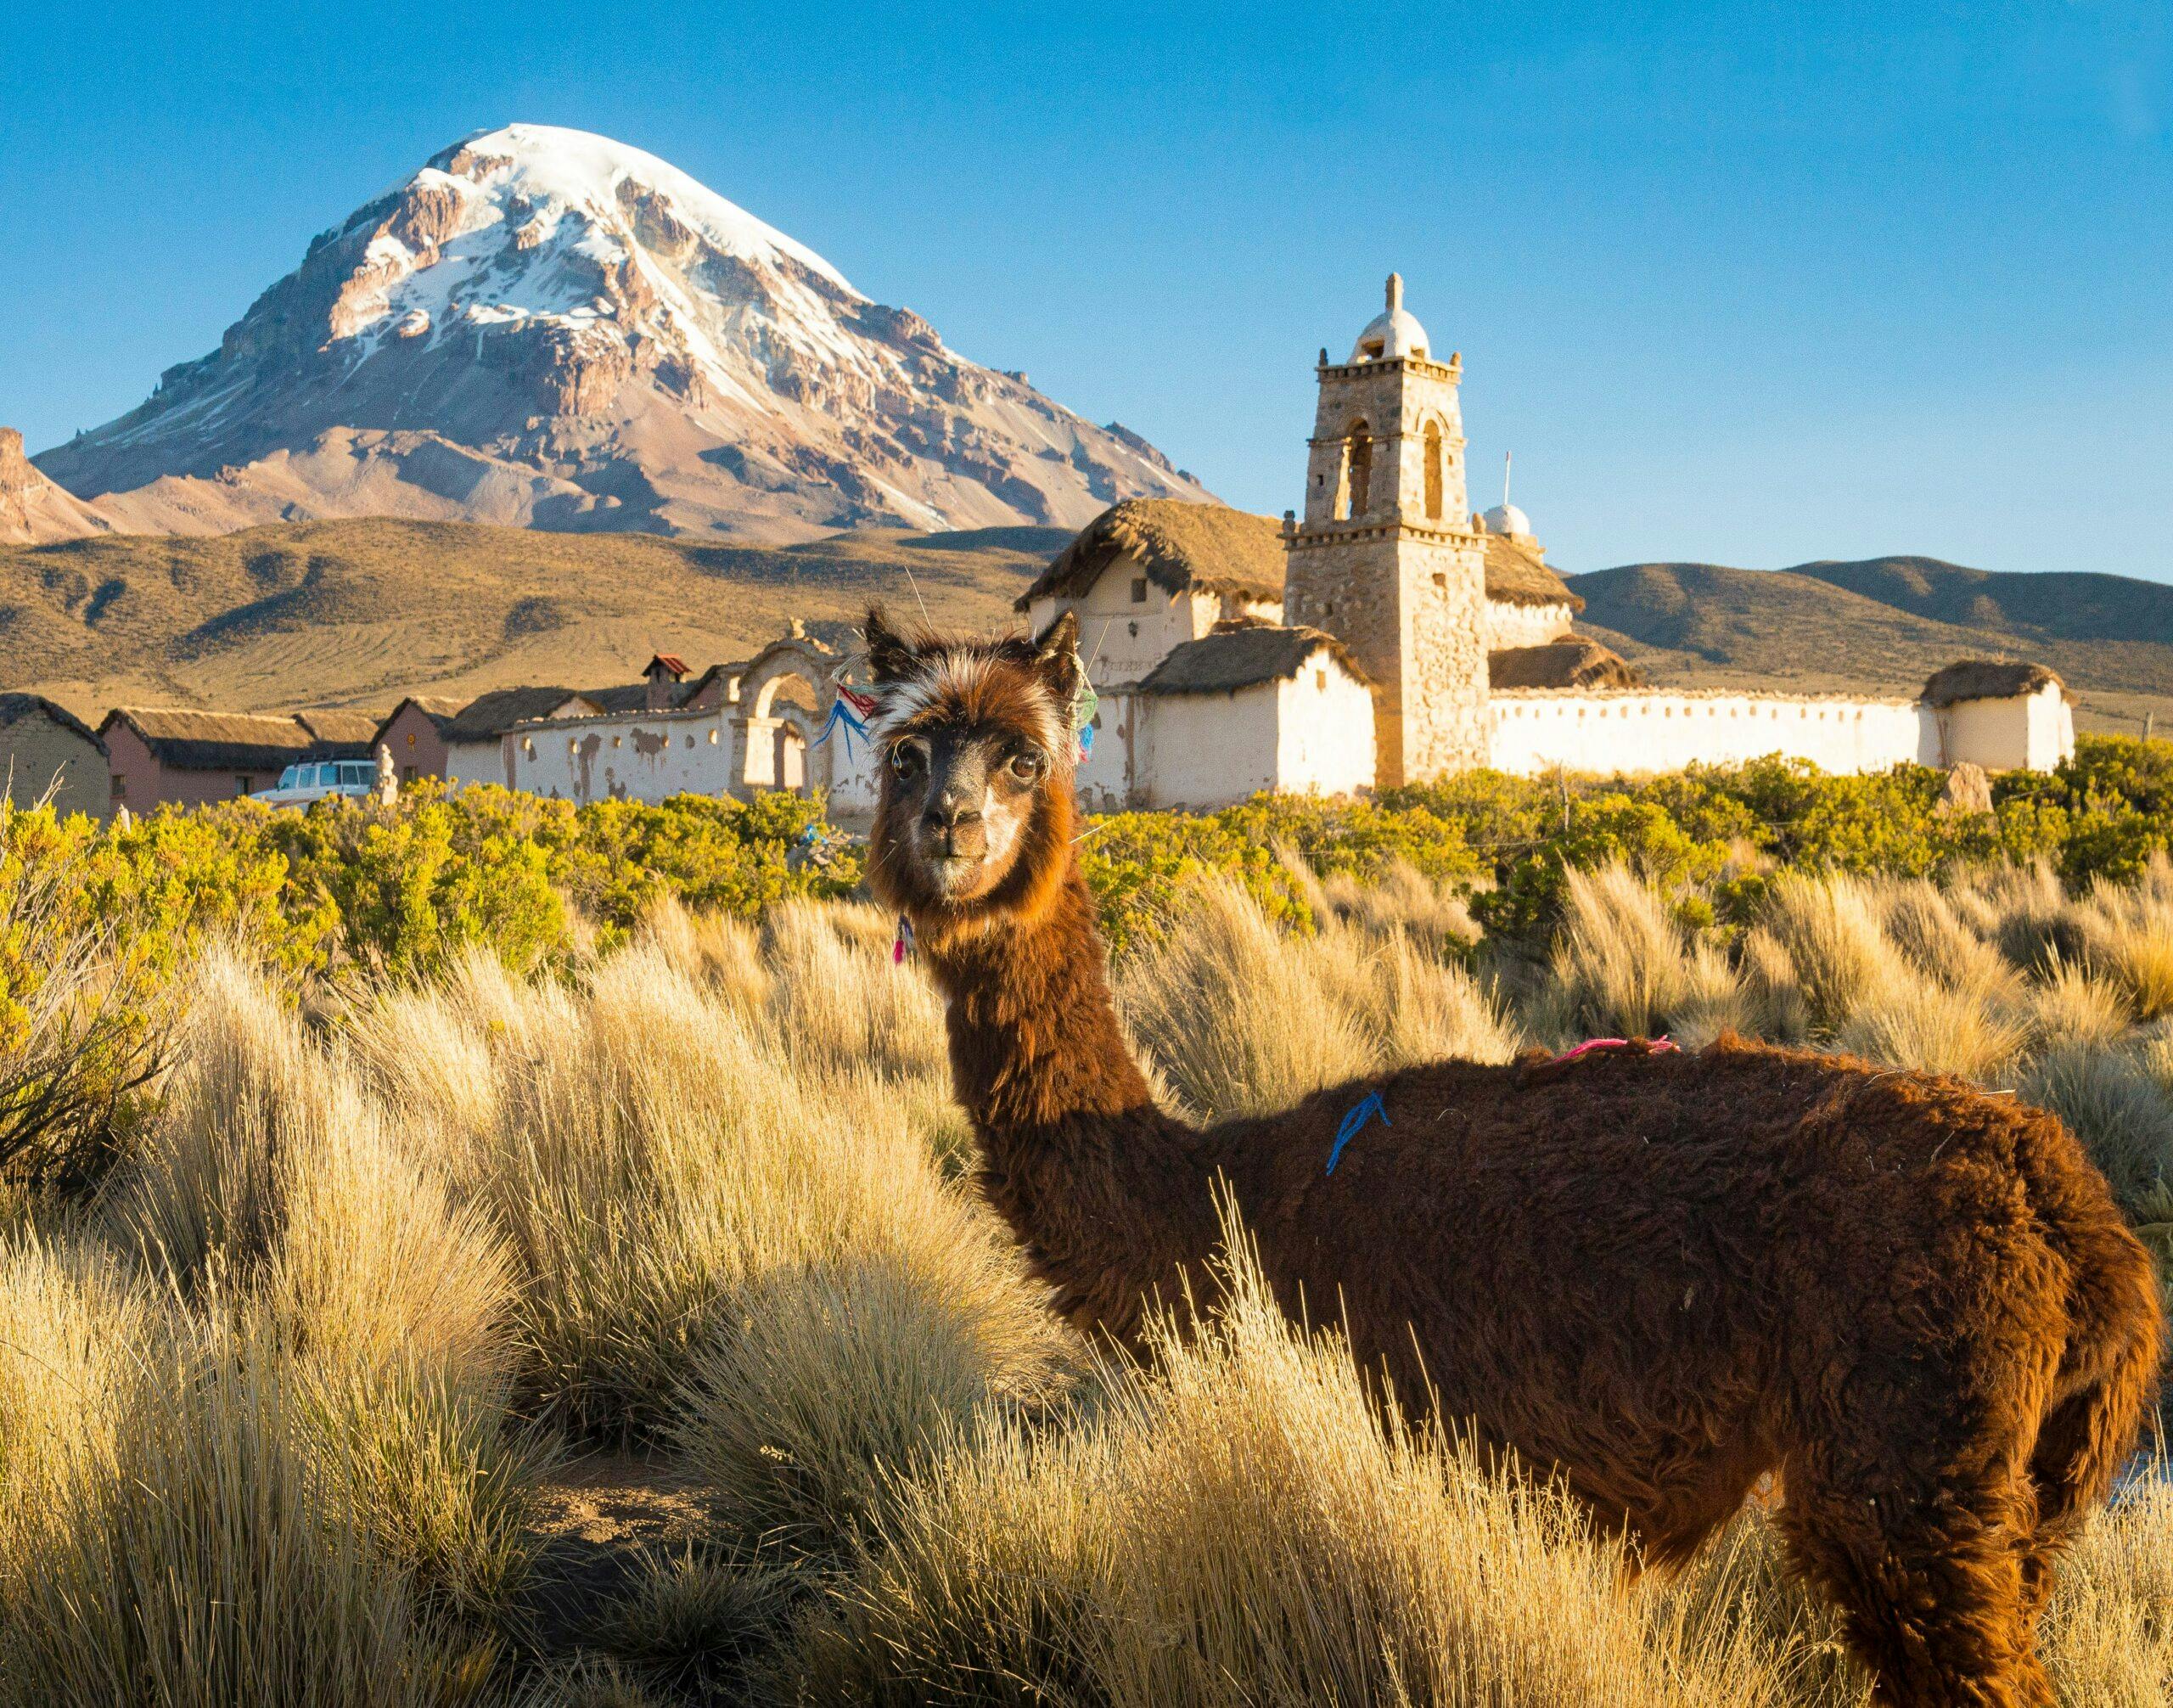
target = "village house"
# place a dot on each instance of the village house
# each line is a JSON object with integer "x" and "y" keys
{"x": 48, "y": 752}
{"x": 156, "y": 755}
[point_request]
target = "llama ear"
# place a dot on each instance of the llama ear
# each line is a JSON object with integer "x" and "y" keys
{"x": 1056, "y": 659}
{"x": 890, "y": 656}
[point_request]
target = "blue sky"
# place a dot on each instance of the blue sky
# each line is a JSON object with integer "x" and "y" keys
{"x": 1737, "y": 282}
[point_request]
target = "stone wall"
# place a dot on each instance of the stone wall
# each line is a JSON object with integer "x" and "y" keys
{"x": 38, "y": 753}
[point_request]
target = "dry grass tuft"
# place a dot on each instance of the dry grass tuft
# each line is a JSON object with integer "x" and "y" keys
{"x": 1236, "y": 1015}
{"x": 2110, "y": 1101}
{"x": 1828, "y": 930}
{"x": 1917, "y": 1022}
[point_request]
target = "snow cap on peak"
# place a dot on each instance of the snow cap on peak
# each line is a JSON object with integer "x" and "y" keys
{"x": 550, "y": 163}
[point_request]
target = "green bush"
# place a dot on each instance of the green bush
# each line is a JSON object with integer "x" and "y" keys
{"x": 404, "y": 889}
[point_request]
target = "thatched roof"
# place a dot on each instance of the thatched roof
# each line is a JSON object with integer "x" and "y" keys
{"x": 332, "y": 730}
{"x": 1571, "y": 662}
{"x": 1241, "y": 655}
{"x": 1984, "y": 678}
{"x": 233, "y": 741}
{"x": 1180, "y": 547}
{"x": 1218, "y": 549}
{"x": 15, "y": 707}
{"x": 1518, "y": 575}
{"x": 490, "y": 715}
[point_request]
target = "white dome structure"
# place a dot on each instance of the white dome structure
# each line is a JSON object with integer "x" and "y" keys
{"x": 1393, "y": 333}
{"x": 1507, "y": 518}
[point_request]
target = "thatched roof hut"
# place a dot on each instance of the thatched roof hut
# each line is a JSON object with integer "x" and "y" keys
{"x": 1238, "y": 656}
{"x": 243, "y": 741}
{"x": 1573, "y": 661}
{"x": 15, "y": 707}
{"x": 1518, "y": 574}
{"x": 1984, "y": 678}
{"x": 1179, "y": 547}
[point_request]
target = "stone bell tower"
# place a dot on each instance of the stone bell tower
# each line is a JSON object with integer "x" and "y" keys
{"x": 1386, "y": 559}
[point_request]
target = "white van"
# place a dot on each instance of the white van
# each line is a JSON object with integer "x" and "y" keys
{"x": 317, "y": 778}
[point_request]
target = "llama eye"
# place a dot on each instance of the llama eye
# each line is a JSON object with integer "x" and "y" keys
{"x": 905, "y": 759}
{"x": 1027, "y": 766}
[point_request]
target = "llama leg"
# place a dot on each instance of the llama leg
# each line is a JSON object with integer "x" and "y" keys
{"x": 1929, "y": 1581}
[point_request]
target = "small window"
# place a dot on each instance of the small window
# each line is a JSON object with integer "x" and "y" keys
{"x": 1139, "y": 590}
{"x": 411, "y": 738}
{"x": 1320, "y": 681}
{"x": 407, "y": 773}
{"x": 242, "y": 785}
{"x": 614, "y": 741}
{"x": 712, "y": 738}
{"x": 120, "y": 789}
{"x": 1441, "y": 580}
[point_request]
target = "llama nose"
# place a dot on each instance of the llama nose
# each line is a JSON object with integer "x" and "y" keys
{"x": 956, "y": 826}
{"x": 949, "y": 811}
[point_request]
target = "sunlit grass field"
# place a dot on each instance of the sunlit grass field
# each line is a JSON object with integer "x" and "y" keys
{"x": 308, "y": 1351}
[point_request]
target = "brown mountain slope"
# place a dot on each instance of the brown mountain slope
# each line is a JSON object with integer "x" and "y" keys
{"x": 1886, "y": 623}
{"x": 32, "y": 509}
{"x": 360, "y": 612}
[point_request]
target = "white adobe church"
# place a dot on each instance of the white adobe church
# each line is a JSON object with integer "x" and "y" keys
{"x": 1387, "y": 635}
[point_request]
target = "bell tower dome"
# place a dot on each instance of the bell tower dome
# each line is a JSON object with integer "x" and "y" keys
{"x": 1386, "y": 559}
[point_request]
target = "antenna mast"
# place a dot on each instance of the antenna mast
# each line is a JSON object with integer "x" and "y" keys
{"x": 1508, "y": 457}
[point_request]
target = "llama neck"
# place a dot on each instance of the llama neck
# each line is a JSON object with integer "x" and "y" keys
{"x": 1110, "y": 1197}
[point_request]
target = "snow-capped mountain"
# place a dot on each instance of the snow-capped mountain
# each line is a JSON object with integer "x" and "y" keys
{"x": 546, "y": 328}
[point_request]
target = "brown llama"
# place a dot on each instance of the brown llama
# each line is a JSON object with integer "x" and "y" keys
{"x": 1657, "y": 1275}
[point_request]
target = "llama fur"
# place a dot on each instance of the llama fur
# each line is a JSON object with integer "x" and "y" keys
{"x": 1657, "y": 1275}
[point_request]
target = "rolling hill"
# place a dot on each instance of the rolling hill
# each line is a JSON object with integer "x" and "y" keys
{"x": 1886, "y": 623}
{"x": 360, "y": 612}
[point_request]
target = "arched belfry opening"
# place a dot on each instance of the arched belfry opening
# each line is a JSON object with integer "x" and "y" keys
{"x": 1357, "y": 472}
{"x": 1432, "y": 449}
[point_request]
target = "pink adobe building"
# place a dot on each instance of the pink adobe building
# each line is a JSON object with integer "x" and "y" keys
{"x": 157, "y": 755}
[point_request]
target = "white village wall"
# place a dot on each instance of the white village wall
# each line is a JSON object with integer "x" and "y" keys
{"x": 2034, "y": 731}
{"x": 630, "y": 756}
{"x": 1512, "y": 625}
{"x": 1208, "y": 749}
{"x": 1104, "y": 779}
{"x": 478, "y": 762}
{"x": 1326, "y": 736}
{"x": 1651, "y": 731}
{"x": 854, "y": 782}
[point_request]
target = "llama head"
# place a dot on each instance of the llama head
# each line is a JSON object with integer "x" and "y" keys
{"x": 974, "y": 743}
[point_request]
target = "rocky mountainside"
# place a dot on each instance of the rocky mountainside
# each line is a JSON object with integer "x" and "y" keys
{"x": 1888, "y": 623}
{"x": 545, "y": 328}
{"x": 32, "y": 509}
